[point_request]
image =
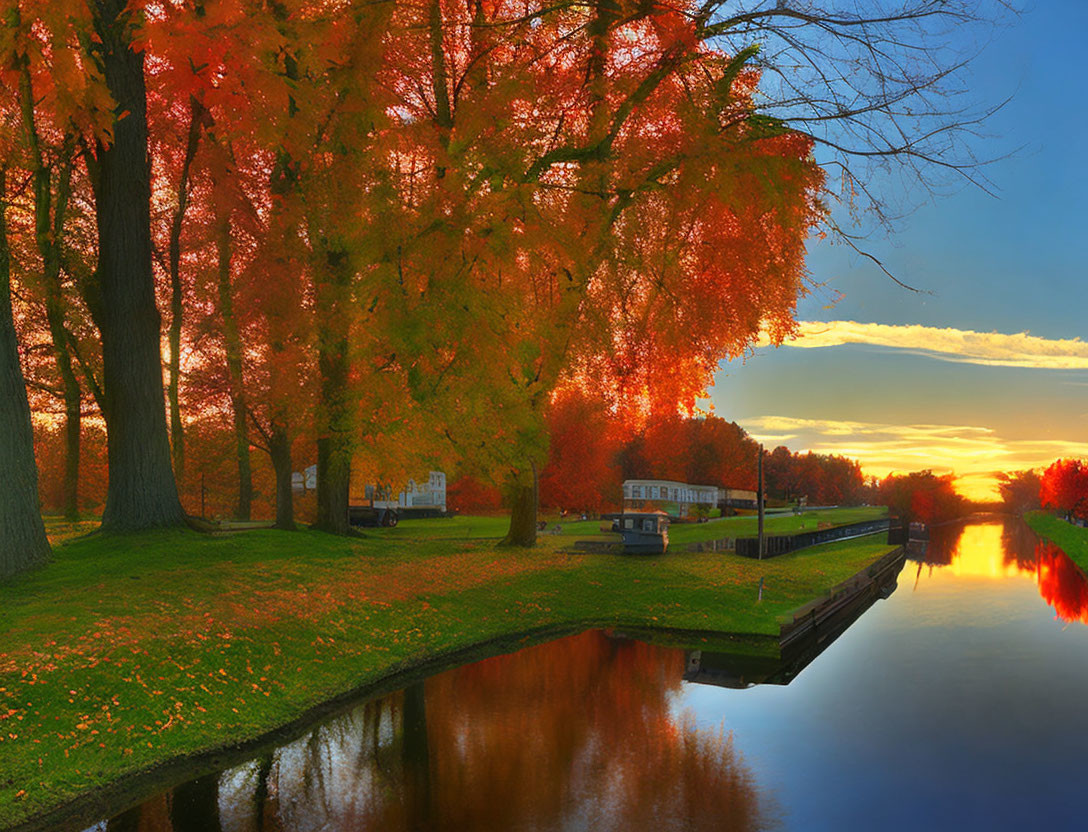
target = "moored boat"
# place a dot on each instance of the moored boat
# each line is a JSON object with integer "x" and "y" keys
{"x": 643, "y": 532}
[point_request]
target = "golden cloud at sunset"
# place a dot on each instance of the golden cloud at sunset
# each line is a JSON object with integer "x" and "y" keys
{"x": 948, "y": 344}
{"x": 975, "y": 454}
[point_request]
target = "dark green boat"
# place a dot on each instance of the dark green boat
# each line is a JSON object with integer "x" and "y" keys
{"x": 643, "y": 532}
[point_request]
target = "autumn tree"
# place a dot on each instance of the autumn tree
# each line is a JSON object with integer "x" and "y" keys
{"x": 1020, "y": 490}
{"x": 23, "y": 544}
{"x": 404, "y": 231}
{"x": 1064, "y": 487}
{"x": 706, "y": 451}
{"x": 325, "y": 179}
{"x": 225, "y": 95}
{"x": 723, "y": 455}
{"x": 470, "y": 496}
{"x": 196, "y": 123}
{"x": 780, "y": 474}
{"x": 50, "y": 205}
{"x": 582, "y": 471}
{"x": 890, "y": 108}
{"x": 142, "y": 491}
{"x": 583, "y": 251}
{"x": 922, "y": 496}
{"x": 662, "y": 449}
{"x": 824, "y": 479}
{"x": 53, "y": 107}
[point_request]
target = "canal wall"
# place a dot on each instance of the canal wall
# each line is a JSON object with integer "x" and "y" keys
{"x": 775, "y": 545}
{"x": 785, "y": 543}
{"x": 830, "y": 615}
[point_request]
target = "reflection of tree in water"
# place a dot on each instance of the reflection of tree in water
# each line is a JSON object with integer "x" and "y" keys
{"x": 1061, "y": 583}
{"x": 578, "y": 733}
{"x": 345, "y": 774}
{"x": 1019, "y": 542}
{"x": 942, "y": 544}
{"x": 573, "y": 734}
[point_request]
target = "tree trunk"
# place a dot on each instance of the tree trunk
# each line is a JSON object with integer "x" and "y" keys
{"x": 334, "y": 444}
{"x": 244, "y": 507}
{"x": 23, "y": 544}
{"x": 73, "y": 426}
{"x": 333, "y": 486}
{"x": 73, "y": 394}
{"x": 279, "y": 448}
{"x": 233, "y": 344}
{"x": 142, "y": 491}
{"x": 177, "y": 430}
{"x": 49, "y": 214}
{"x": 523, "y": 510}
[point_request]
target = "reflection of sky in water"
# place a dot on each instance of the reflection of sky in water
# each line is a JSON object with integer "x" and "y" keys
{"x": 957, "y": 703}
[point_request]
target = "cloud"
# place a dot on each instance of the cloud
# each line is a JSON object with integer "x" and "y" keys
{"x": 993, "y": 349}
{"x": 975, "y": 454}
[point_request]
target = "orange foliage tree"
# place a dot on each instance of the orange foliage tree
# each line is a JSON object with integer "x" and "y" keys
{"x": 1064, "y": 487}
{"x": 406, "y": 231}
{"x": 825, "y": 479}
{"x": 703, "y": 451}
{"x": 922, "y": 496}
{"x": 582, "y": 472}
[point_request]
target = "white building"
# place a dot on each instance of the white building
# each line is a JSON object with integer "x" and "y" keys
{"x": 637, "y": 493}
{"x": 429, "y": 494}
{"x": 304, "y": 480}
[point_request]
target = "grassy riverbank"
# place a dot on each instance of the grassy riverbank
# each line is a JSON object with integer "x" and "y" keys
{"x": 493, "y": 528}
{"x": 1072, "y": 539}
{"x": 128, "y": 651}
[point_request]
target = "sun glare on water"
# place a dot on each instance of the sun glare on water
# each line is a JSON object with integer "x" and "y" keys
{"x": 979, "y": 553}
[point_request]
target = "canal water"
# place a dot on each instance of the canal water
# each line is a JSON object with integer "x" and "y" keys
{"x": 960, "y": 702}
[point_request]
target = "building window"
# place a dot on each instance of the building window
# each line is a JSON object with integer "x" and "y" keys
{"x": 636, "y": 491}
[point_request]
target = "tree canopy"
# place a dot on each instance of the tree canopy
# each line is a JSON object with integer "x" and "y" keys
{"x": 396, "y": 235}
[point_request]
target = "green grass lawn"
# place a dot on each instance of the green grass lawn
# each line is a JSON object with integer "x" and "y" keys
{"x": 494, "y": 528}
{"x": 1072, "y": 539}
{"x": 128, "y": 651}
{"x": 748, "y": 526}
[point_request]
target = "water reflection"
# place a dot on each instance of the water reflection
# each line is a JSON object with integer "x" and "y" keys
{"x": 574, "y": 734}
{"x": 963, "y": 694}
{"x": 1061, "y": 583}
{"x": 1008, "y": 548}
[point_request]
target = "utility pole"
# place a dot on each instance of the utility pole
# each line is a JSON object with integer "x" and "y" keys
{"x": 759, "y": 504}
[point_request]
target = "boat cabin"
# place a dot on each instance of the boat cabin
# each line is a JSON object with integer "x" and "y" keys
{"x": 644, "y": 532}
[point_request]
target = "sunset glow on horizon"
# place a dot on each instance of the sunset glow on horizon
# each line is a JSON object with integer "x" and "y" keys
{"x": 974, "y": 454}
{"x": 910, "y": 397}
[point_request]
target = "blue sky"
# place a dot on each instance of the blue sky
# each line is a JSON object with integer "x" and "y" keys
{"x": 1009, "y": 264}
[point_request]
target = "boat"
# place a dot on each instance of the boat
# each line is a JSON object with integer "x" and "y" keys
{"x": 643, "y": 532}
